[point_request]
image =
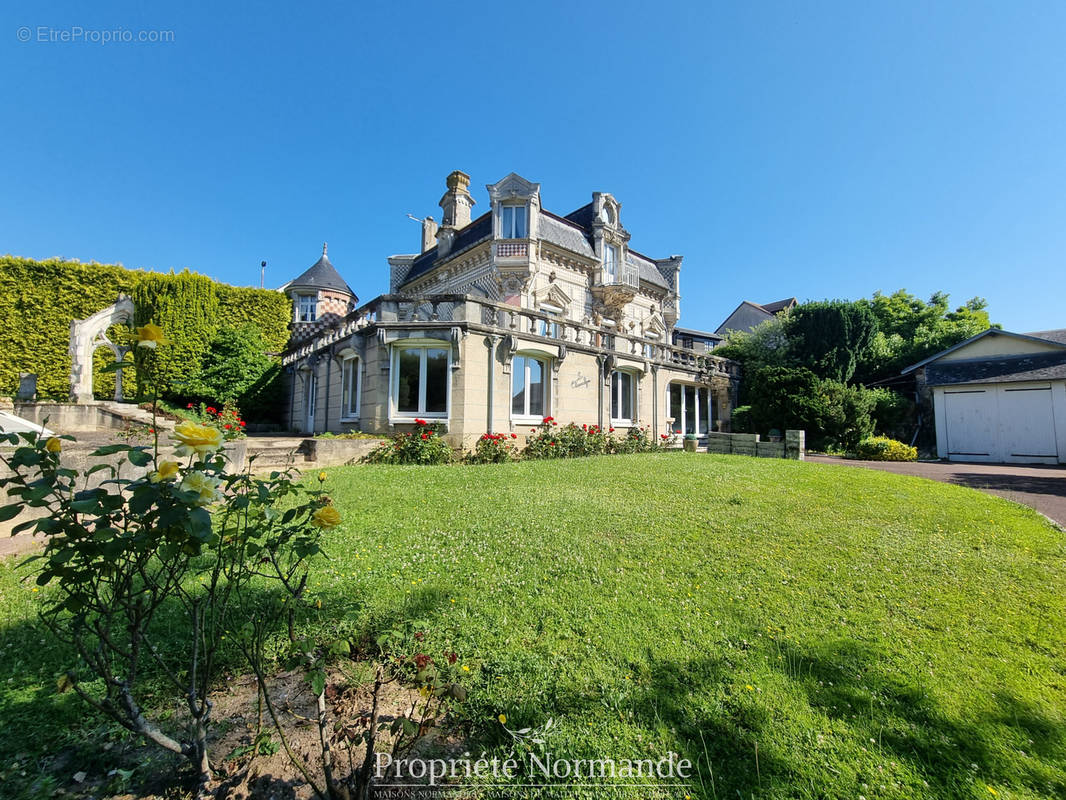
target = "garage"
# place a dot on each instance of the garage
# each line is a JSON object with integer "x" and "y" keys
{"x": 999, "y": 397}
{"x": 1014, "y": 424}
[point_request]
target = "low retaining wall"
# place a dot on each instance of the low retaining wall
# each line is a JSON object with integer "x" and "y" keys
{"x": 749, "y": 444}
{"x": 86, "y": 417}
{"x": 334, "y": 452}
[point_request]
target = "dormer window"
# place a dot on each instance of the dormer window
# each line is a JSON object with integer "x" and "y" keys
{"x": 306, "y": 307}
{"x": 514, "y": 222}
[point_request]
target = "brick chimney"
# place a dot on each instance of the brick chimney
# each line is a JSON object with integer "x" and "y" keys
{"x": 457, "y": 201}
{"x": 429, "y": 233}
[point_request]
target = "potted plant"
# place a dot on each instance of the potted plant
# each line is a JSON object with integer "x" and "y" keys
{"x": 690, "y": 442}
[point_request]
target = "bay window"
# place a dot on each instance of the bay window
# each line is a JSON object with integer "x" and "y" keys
{"x": 623, "y": 398}
{"x": 529, "y": 387}
{"x": 420, "y": 381}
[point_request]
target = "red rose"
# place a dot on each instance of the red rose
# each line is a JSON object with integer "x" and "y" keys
{"x": 610, "y": 430}
{"x": 212, "y": 410}
{"x": 425, "y": 436}
{"x": 243, "y": 423}
{"x": 228, "y": 426}
{"x": 664, "y": 436}
{"x": 151, "y": 430}
{"x": 514, "y": 435}
{"x": 189, "y": 406}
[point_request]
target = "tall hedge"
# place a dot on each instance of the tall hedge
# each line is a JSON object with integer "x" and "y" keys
{"x": 39, "y": 299}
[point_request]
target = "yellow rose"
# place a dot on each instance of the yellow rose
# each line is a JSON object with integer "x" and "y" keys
{"x": 199, "y": 439}
{"x": 150, "y": 336}
{"x": 54, "y": 445}
{"x": 205, "y": 486}
{"x": 167, "y": 471}
{"x": 322, "y": 477}
{"x": 326, "y": 517}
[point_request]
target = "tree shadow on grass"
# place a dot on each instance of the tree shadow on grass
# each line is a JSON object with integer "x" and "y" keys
{"x": 1009, "y": 742}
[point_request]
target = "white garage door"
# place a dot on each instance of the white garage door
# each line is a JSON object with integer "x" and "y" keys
{"x": 1001, "y": 424}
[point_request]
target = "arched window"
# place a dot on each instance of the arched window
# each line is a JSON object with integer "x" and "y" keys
{"x": 351, "y": 380}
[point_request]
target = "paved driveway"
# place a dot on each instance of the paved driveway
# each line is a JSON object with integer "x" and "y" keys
{"x": 1042, "y": 488}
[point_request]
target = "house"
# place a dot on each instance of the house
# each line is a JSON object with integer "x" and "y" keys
{"x": 998, "y": 396}
{"x": 748, "y": 315}
{"x": 499, "y": 321}
{"x": 692, "y": 339}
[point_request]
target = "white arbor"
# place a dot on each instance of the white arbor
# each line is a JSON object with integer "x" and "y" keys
{"x": 88, "y": 334}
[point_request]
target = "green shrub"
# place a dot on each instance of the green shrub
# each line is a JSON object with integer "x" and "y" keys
{"x": 881, "y": 448}
{"x": 741, "y": 421}
{"x": 423, "y": 445}
{"x": 237, "y": 368}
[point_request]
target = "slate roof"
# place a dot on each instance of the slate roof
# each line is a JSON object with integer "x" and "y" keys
{"x": 321, "y": 275}
{"x": 478, "y": 229}
{"x": 1006, "y": 369}
{"x": 571, "y": 232}
{"x": 748, "y": 315}
{"x": 564, "y": 232}
{"x": 1058, "y": 336}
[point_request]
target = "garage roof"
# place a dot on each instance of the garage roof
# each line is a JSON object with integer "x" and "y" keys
{"x": 1055, "y": 337}
{"x": 1006, "y": 369}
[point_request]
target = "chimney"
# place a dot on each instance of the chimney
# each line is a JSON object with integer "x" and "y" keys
{"x": 457, "y": 201}
{"x": 429, "y": 233}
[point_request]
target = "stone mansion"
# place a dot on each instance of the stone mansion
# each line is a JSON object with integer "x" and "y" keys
{"x": 500, "y": 321}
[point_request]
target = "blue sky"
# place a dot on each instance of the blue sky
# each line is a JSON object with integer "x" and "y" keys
{"x": 808, "y": 149}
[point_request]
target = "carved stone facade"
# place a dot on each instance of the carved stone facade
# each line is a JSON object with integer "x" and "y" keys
{"x": 514, "y": 315}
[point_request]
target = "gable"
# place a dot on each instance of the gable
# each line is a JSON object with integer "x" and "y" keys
{"x": 996, "y": 345}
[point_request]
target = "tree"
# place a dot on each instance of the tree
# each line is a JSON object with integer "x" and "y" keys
{"x": 910, "y": 329}
{"x": 237, "y": 368}
{"x": 829, "y": 337}
{"x": 764, "y": 346}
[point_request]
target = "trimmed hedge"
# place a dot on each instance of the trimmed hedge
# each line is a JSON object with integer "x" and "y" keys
{"x": 39, "y": 299}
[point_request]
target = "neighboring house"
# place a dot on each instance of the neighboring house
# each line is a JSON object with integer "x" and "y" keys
{"x": 691, "y": 339}
{"x": 500, "y": 321}
{"x": 748, "y": 315}
{"x": 998, "y": 396}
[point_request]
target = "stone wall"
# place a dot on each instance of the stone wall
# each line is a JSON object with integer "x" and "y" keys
{"x": 749, "y": 444}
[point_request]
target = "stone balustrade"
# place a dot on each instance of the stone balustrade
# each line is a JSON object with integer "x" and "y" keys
{"x": 480, "y": 314}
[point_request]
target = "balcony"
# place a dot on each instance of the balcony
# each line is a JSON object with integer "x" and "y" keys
{"x": 512, "y": 249}
{"x": 623, "y": 275}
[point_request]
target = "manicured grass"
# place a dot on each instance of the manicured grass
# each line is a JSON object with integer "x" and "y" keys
{"x": 798, "y": 630}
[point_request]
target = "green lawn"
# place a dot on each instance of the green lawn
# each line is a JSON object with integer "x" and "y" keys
{"x": 800, "y": 630}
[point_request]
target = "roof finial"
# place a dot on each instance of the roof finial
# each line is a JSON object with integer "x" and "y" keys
{"x": 323, "y": 248}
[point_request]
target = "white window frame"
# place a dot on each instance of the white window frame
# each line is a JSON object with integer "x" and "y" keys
{"x": 704, "y": 412}
{"x": 612, "y": 255}
{"x": 616, "y": 396}
{"x": 300, "y": 298}
{"x": 546, "y": 373}
{"x": 351, "y": 367}
{"x": 395, "y": 415}
{"x": 512, "y": 232}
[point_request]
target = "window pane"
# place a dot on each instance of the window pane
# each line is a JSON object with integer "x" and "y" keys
{"x": 407, "y": 384}
{"x": 690, "y": 409}
{"x": 615, "y": 379}
{"x": 536, "y": 387}
{"x": 436, "y": 381}
{"x": 704, "y": 411}
{"x": 346, "y": 391}
{"x": 520, "y": 222}
{"x": 675, "y": 406}
{"x": 626, "y": 388}
{"x": 518, "y": 385}
{"x": 353, "y": 386}
{"x": 507, "y": 223}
